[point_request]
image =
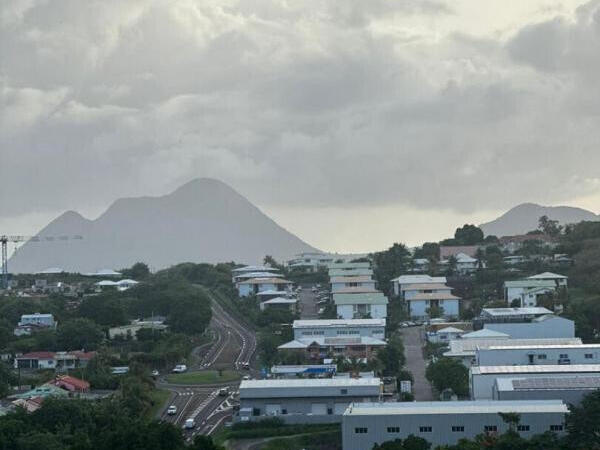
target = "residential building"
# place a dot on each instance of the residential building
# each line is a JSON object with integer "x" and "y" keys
{"x": 248, "y": 269}
{"x": 512, "y": 244}
{"x": 30, "y": 323}
{"x": 464, "y": 263}
{"x": 255, "y": 285}
{"x": 70, "y": 384}
{"x": 422, "y": 297}
{"x": 319, "y": 348}
{"x": 304, "y": 371}
{"x": 304, "y": 400}
{"x": 402, "y": 280}
{"x": 569, "y": 389}
{"x": 514, "y": 260}
{"x": 350, "y": 273}
{"x": 58, "y": 361}
{"x": 464, "y": 349}
{"x": 269, "y": 294}
{"x": 349, "y": 265}
{"x": 420, "y": 265}
{"x": 507, "y": 354}
{"x": 445, "y": 423}
{"x": 131, "y": 330}
{"x": 444, "y": 335}
{"x": 332, "y": 328}
{"x": 559, "y": 280}
{"x": 283, "y": 303}
{"x": 364, "y": 282}
{"x": 521, "y": 290}
{"x": 361, "y": 305}
{"x": 483, "y": 378}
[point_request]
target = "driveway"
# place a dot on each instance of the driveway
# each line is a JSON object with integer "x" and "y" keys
{"x": 308, "y": 304}
{"x": 415, "y": 363}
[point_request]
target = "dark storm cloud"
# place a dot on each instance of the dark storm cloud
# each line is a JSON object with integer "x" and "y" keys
{"x": 293, "y": 105}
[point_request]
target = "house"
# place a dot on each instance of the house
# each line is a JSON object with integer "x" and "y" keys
{"x": 283, "y": 303}
{"x": 361, "y": 305}
{"x": 71, "y": 384}
{"x": 445, "y": 423}
{"x": 350, "y": 272}
{"x": 464, "y": 263}
{"x": 311, "y": 261}
{"x": 304, "y": 371}
{"x": 521, "y": 289}
{"x": 444, "y": 335}
{"x": 446, "y": 251}
{"x": 514, "y": 260}
{"x": 30, "y": 323}
{"x": 547, "y": 326}
{"x": 35, "y": 360}
{"x": 157, "y": 324}
{"x": 269, "y": 294}
{"x": 349, "y": 265}
{"x": 318, "y": 348}
{"x": 559, "y": 280}
{"x": 422, "y": 297}
{"x": 512, "y": 244}
{"x": 402, "y": 280}
{"x": 352, "y": 282}
{"x": 569, "y": 389}
{"x": 58, "y": 361}
{"x": 505, "y": 354}
{"x": 253, "y": 286}
{"x": 420, "y": 265}
{"x": 465, "y": 350}
{"x": 318, "y": 400}
{"x": 483, "y": 378}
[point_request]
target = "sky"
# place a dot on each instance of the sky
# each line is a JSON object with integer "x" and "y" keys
{"x": 353, "y": 124}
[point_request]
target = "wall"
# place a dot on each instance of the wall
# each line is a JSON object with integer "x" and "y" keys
{"x": 572, "y": 397}
{"x": 551, "y": 328}
{"x": 519, "y": 356}
{"x": 377, "y": 332}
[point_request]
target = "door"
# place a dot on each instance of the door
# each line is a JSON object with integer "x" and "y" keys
{"x": 272, "y": 410}
{"x": 319, "y": 409}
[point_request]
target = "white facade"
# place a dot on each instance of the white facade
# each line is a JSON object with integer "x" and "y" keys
{"x": 548, "y": 326}
{"x": 402, "y": 280}
{"x": 43, "y": 320}
{"x": 255, "y": 285}
{"x": 339, "y": 328}
{"x": 483, "y": 378}
{"x": 359, "y": 282}
{"x": 514, "y": 290}
{"x": 445, "y": 423}
{"x": 356, "y": 306}
{"x": 420, "y": 297}
{"x": 505, "y": 355}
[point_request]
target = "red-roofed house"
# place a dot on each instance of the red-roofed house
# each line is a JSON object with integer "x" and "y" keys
{"x": 53, "y": 360}
{"x": 35, "y": 360}
{"x": 70, "y": 383}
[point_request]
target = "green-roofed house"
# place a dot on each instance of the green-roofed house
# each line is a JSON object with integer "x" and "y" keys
{"x": 361, "y": 305}
{"x": 527, "y": 291}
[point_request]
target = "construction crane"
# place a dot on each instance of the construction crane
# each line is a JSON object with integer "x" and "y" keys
{"x": 4, "y": 240}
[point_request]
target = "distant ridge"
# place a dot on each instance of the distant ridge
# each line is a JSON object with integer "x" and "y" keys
{"x": 524, "y": 217}
{"x": 205, "y": 220}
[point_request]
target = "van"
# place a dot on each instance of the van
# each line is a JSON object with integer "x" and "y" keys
{"x": 189, "y": 424}
{"x": 180, "y": 368}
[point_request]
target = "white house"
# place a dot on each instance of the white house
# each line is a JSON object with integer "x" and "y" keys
{"x": 352, "y": 282}
{"x": 527, "y": 291}
{"x": 444, "y": 335}
{"x": 360, "y": 272}
{"x": 559, "y": 280}
{"x": 465, "y": 263}
{"x": 421, "y": 297}
{"x": 285, "y": 303}
{"x": 352, "y": 306}
{"x": 402, "y": 280}
{"x": 33, "y": 322}
{"x": 256, "y": 285}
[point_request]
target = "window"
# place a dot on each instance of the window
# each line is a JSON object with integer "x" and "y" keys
{"x": 541, "y": 356}
{"x": 589, "y": 356}
{"x": 393, "y": 429}
{"x": 563, "y": 356}
{"x": 256, "y": 411}
{"x": 343, "y": 391}
{"x": 490, "y": 428}
{"x": 329, "y": 411}
{"x": 458, "y": 429}
{"x": 284, "y": 411}
{"x": 556, "y": 427}
{"x": 425, "y": 429}
{"x": 361, "y": 430}
{"x": 342, "y": 332}
{"x": 307, "y": 333}
{"x": 318, "y": 333}
{"x": 522, "y": 427}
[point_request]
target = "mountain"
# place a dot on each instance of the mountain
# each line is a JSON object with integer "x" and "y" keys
{"x": 204, "y": 220}
{"x": 524, "y": 218}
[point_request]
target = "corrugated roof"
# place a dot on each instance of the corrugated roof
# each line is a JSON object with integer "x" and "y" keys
{"x": 265, "y": 281}
{"x": 529, "y": 283}
{"x": 467, "y": 347}
{"x": 352, "y": 279}
{"x": 507, "y": 312}
{"x": 309, "y": 383}
{"x": 433, "y": 296}
{"x": 457, "y": 407}
{"x": 415, "y": 286}
{"x": 332, "y": 341}
{"x": 548, "y": 276}
{"x": 336, "y": 323}
{"x": 413, "y": 279}
{"x": 523, "y": 347}
{"x": 573, "y": 368}
{"x": 359, "y": 299}
{"x": 550, "y": 383}
{"x": 485, "y": 333}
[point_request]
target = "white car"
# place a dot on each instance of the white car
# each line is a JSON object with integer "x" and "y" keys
{"x": 189, "y": 424}
{"x": 155, "y": 373}
{"x": 172, "y": 410}
{"x": 180, "y": 368}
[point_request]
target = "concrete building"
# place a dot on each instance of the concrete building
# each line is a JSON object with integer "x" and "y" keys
{"x": 402, "y": 280}
{"x": 515, "y": 290}
{"x": 483, "y": 378}
{"x": 464, "y": 263}
{"x": 421, "y": 297}
{"x": 255, "y": 285}
{"x": 284, "y": 303}
{"x": 548, "y": 326}
{"x": 349, "y": 265}
{"x": 131, "y": 330}
{"x": 465, "y": 350}
{"x": 304, "y": 371}
{"x": 361, "y": 305}
{"x": 570, "y": 390}
{"x": 339, "y": 284}
{"x": 304, "y": 400}
{"x": 507, "y": 354}
{"x": 445, "y": 423}
{"x": 339, "y": 328}
{"x": 350, "y": 273}
{"x": 319, "y": 348}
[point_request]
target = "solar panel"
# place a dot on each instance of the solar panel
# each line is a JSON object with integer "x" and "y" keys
{"x": 557, "y": 383}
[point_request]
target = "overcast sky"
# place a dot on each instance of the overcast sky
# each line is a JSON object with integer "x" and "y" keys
{"x": 352, "y": 123}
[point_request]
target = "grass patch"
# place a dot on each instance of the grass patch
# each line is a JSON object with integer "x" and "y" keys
{"x": 203, "y": 377}
{"x": 328, "y": 440}
{"x": 275, "y": 427}
{"x": 159, "y": 398}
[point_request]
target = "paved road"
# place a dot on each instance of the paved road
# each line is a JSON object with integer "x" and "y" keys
{"x": 415, "y": 363}
{"x": 308, "y": 304}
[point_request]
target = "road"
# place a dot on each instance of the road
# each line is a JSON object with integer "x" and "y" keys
{"x": 308, "y": 304}
{"x": 232, "y": 347}
{"x": 415, "y": 363}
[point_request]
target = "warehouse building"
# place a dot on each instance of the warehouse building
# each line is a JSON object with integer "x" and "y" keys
{"x": 445, "y": 423}
{"x": 483, "y": 378}
{"x": 304, "y": 400}
{"x": 339, "y": 328}
{"x": 507, "y": 354}
{"x": 570, "y": 389}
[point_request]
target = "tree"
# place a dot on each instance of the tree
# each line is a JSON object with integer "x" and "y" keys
{"x": 79, "y": 334}
{"x": 583, "y": 423}
{"x": 468, "y": 235}
{"x": 549, "y": 226}
{"x": 6, "y": 379}
{"x": 389, "y": 264}
{"x": 204, "y": 443}
{"x": 452, "y": 265}
{"x": 511, "y": 419}
{"x": 391, "y": 357}
{"x": 448, "y": 373}
{"x": 429, "y": 250}
{"x": 435, "y": 311}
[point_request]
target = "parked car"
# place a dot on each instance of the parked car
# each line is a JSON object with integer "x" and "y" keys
{"x": 246, "y": 366}
{"x": 172, "y": 410}
{"x": 180, "y": 368}
{"x": 246, "y": 377}
{"x": 223, "y": 392}
{"x": 155, "y": 373}
{"x": 189, "y": 424}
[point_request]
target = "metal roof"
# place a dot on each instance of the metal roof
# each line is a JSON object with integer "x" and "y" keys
{"x": 349, "y": 265}
{"x": 412, "y": 279}
{"x": 352, "y": 279}
{"x": 549, "y": 368}
{"x": 303, "y": 368}
{"x": 548, "y": 276}
{"x": 457, "y": 407}
{"x": 485, "y": 333}
{"x": 433, "y": 296}
{"x": 332, "y": 342}
{"x": 255, "y": 269}
{"x": 350, "y": 272}
{"x": 371, "y": 298}
{"x": 529, "y": 283}
{"x": 281, "y": 300}
{"x": 507, "y": 312}
{"x": 310, "y": 387}
{"x": 309, "y": 383}
{"x": 265, "y": 281}
{"x": 467, "y": 347}
{"x": 523, "y": 347}
{"x": 550, "y": 383}
{"x": 337, "y": 323}
{"x": 415, "y": 286}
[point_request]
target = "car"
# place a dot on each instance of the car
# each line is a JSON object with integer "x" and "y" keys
{"x": 155, "y": 373}
{"x": 189, "y": 424}
{"x": 246, "y": 366}
{"x": 172, "y": 410}
{"x": 180, "y": 368}
{"x": 246, "y": 377}
{"x": 223, "y": 392}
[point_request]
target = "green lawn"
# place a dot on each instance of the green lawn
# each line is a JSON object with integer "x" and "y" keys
{"x": 204, "y": 377}
{"x": 159, "y": 398}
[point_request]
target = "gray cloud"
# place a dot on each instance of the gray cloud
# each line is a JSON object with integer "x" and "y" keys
{"x": 293, "y": 105}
